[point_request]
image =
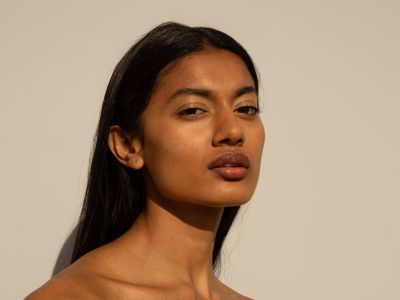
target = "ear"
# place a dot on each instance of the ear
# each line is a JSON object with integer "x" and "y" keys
{"x": 126, "y": 149}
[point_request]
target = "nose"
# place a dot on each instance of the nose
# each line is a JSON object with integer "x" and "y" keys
{"x": 228, "y": 130}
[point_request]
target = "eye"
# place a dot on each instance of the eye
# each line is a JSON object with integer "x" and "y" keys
{"x": 248, "y": 109}
{"x": 191, "y": 111}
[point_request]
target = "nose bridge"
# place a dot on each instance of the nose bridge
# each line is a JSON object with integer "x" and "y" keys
{"x": 228, "y": 129}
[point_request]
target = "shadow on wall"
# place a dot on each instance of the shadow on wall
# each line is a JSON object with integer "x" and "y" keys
{"x": 64, "y": 257}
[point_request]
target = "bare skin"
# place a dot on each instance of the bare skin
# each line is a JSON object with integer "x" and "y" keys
{"x": 167, "y": 253}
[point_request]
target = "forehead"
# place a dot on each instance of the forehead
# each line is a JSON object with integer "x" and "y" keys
{"x": 214, "y": 69}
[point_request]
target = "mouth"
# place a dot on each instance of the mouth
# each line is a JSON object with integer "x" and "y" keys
{"x": 231, "y": 166}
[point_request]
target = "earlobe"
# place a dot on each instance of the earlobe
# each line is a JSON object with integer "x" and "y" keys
{"x": 127, "y": 150}
{"x": 135, "y": 158}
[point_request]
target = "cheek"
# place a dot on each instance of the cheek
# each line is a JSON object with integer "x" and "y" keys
{"x": 255, "y": 144}
{"x": 176, "y": 165}
{"x": 173, "y": 161}
{"x": 261, "y": 139}
{"x": 257, "y": 139}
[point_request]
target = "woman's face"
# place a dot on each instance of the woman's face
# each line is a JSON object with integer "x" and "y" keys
{"x": 203, "y": 108}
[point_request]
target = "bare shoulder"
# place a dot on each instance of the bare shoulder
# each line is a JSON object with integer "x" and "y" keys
{"x": 237, "y": 296}
{"x": 85, "y": 279}
{"x": 232, "y": 294}
{"x": 75, "y": 282}
{"x": 62, "y": 288}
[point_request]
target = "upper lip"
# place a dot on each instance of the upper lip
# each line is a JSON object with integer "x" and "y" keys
{"x": 230, "y": 159}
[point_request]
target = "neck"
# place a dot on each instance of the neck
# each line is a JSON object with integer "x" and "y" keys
{"x": 176, "y": 240}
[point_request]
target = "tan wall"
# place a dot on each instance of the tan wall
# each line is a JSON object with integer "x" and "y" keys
{"x": 324, "y": 222}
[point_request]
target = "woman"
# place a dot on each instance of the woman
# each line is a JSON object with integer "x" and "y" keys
{"x": 177, "y": 151}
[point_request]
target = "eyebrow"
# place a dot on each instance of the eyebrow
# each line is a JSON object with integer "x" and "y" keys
{"x": 245, "y": 90}
{"x": 208, "y": 94}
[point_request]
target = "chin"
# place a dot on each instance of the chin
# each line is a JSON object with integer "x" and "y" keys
{"x": 236, "y": 202}
{"x": 226, "y": 199}
{"x": 222, "y": 194}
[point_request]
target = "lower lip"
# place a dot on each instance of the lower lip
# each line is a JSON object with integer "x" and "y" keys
{"x": 231, "y": 172}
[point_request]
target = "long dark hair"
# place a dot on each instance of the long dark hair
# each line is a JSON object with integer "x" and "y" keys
{"x": 115, "y": 194}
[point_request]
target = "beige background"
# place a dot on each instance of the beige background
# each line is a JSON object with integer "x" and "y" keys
{"x": 324, "y": 222}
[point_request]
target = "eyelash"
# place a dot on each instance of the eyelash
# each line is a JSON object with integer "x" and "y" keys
{"x": 255, "y": 109}
{"x": 191, "y": 111}
{"x": 186, "y": 112}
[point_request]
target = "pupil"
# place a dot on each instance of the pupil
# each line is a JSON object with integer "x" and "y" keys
{"x": 191, "y": 111}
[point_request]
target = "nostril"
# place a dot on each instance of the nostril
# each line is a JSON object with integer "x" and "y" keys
{"x": 230, "y": 142}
